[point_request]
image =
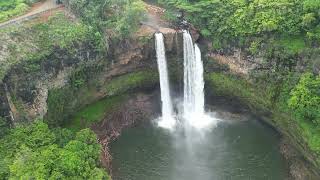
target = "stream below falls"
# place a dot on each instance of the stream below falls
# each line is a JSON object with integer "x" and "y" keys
{"x": 236, "y": 150}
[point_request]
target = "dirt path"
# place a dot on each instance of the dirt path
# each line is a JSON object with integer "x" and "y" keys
{"x": 154, "y": 22}
{"x": 35, "y": 9}
{"x": 154, "y": 17}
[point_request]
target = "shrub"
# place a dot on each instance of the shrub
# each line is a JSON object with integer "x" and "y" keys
{"x": 11, "y": 8}
{"x": 305, "y": 98}
{"x": 31, "y": 152}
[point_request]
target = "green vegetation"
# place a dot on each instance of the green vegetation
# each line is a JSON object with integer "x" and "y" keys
{"x": 304, "y": 103}
{"x": 36, "y": 152}
{"x": 243, "y": 22}
{"x": 311, "y": 135}
{"x": 283, "y": 32}
{"x": 11, "y": 8}
{"x": 116, "y": 88}
{"x": 237, "y": 87}
{"x": 120, "y": 17}
{"x": 69, "y": 101}
{"x": 81, "y": 90}
{"x": 94, "y": 112}
{"x": 292, "y": 44}
{"x": 4, "y": 127}
{"x": 64, "y": 102}
{"x": 34, "y": 43}
{"x": 297, "y": 96}
{"x": 293, "y": 101}
{"x": 305, "y": 98}
{"x": 60, "y": 32}
{"x": 31, "y": 45}
{"x": 131, "y": 81}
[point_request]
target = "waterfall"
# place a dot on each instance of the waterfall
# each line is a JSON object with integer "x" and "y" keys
{"x": 193, "y": 98}
{"x": 167, "y": 120}
{"x": 189, "y": 63}
{"x": 199, "y": 82}
{"x": 193, "y": 77}
{"x": 193, "y": 104}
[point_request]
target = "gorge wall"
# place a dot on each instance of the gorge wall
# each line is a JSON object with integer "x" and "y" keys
{"x": 63, "y": 81}
{"x": 55, "y": 81}
{"x": 233, "y": 73}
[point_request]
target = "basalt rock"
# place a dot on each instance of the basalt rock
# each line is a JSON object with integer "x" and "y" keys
{"x": 134, "y": 110}
{"x": 236, "y": 66}
{"x": 28, "y": 86}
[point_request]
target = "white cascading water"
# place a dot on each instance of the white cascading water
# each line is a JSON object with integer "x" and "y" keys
{"x": 167, "y": 120}
{"x": 199, "y": 83}
{"x": 193, "y": 105}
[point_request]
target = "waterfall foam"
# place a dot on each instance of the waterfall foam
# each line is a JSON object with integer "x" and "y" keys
{"x": 167, "y": 120}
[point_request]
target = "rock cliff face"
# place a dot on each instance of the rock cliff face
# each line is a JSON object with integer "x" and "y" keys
{"x": 27, "y": 92}
{"x": 5, "y": 111}
{"x": 231, "y": 74}
{"x": 237, "y": 61}
{"x": 138, "y": 108}
{"x": 65, "y": 81}
{"x": 241, "y": 62}
{"x": 24, "y": 95}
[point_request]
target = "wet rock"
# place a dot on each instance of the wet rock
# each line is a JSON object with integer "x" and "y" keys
{"x": 298, "y": 166}
{"x": 138, "y": 108}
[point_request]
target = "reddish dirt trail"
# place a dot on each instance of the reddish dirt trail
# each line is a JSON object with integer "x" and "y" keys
{"x": 154, "y": 17}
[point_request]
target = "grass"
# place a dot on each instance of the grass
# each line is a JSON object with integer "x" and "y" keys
{"x": 94, "y": 112}
{"x": 311, "y": 134}
{"x": 32, "y": 43}
{"x": 67, "y": 103}
{"x": 12, "y": 8}
{"x": 117, "y": 90}
{"x": 236, "y": 87}
{"x": 292, "y": 44}
{"x": 131, "y": 81}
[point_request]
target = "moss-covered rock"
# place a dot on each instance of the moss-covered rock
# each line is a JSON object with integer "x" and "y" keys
{"x": 29, "y": 45}
{"x": 64, "y": 102}
{"x": 94, "y": 112}
{"x": 235, "y": 87}
{"x": 136, "y": 80}
{"x": 260, "y": 101}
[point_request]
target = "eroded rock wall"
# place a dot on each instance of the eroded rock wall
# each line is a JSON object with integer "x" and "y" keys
{"x": 233, "y": 73}
{"x": 84, "y": 71}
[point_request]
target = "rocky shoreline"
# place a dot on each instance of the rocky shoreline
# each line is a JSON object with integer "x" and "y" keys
{"x": 143, "y": 107}
{"x": 138, "y": 108}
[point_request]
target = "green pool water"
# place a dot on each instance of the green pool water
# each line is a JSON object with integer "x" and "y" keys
{"x": 246, "y": 150}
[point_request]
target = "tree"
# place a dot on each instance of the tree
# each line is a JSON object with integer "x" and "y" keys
{"x": 4, "y": 127}
{"x": 120, "y": 17}
{"x": 305, "y": 98}
{"x": 35, "y": 152}
{"x": 234, "y": 20}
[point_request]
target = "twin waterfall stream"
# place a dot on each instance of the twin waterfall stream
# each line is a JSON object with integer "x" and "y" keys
{"x": 186, "y": 147}
{"x": 193, "y": 97}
